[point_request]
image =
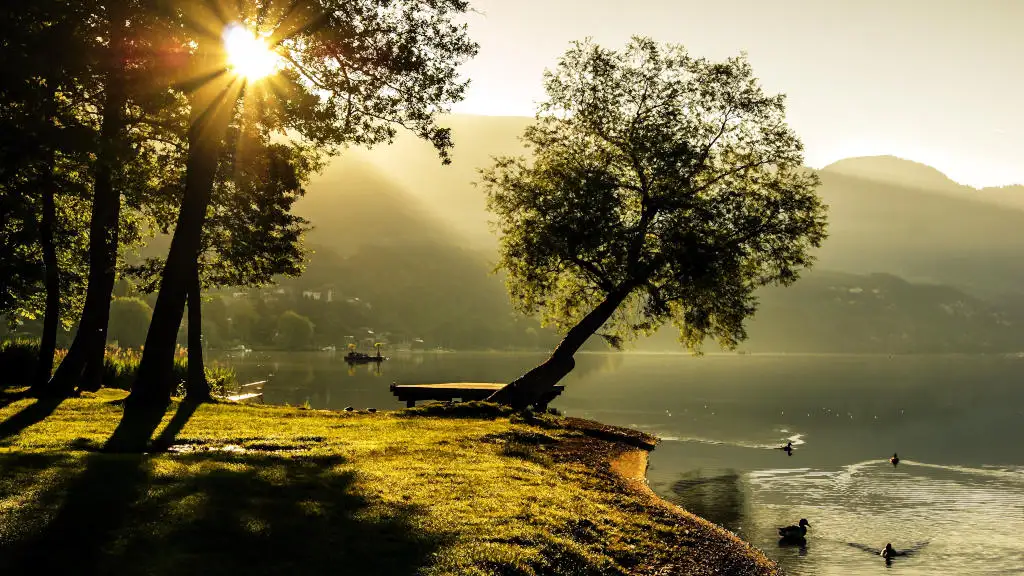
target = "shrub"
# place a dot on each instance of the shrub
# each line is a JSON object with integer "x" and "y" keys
{"x": 17, "y": 361}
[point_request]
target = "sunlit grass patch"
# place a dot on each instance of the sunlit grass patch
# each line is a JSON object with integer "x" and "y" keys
{"x": 275, "y": 490}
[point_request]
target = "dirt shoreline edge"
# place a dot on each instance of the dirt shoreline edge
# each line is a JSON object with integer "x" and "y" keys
{"x": 624, "y": 456}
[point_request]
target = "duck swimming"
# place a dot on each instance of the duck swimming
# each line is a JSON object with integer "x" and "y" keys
{"x": 788, "y": 448}
{"x": 796, "y": 532}
{"x": 894, "y": 460}
{"x": 889, "y": 552}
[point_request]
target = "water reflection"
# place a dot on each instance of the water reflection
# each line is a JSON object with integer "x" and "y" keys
{"x": 716, "y": 496}
{"x": 325, "y": 380}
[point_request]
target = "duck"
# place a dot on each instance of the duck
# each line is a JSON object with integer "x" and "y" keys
{"x": 894, "y": 460}
{"x": 796, "y": 532}
{"x": 788, "y": 448}
{"x": 889, "y": 552}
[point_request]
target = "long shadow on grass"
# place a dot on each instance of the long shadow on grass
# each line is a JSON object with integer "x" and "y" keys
{"x": 29, "y": 415}
{"x": 85, "y": 523}
{"x": 136, "y": 428}
{"x": 8, "y": 397}
{"x": 221, "y": 513}
{"x": 181, "y": 417}
{"x": 269, "y": 515}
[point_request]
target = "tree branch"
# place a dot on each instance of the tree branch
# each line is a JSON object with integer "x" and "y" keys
{"x": 728, "y": 173}
{"x": 598, "y": 275}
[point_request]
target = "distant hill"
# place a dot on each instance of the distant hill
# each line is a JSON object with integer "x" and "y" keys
{"x": 886, "y": 214}
{"x": 890, "y": 170}
{"x": 447, "y": 192}
{"x": 877, "y": 313}
{"x": 922, "y": 235}
{"x": 400, "y": 230}
{"x": 354, "y": 204}
{"x": 895, "y": 171}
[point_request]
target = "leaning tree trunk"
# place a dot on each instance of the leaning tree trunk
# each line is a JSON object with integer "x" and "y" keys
{"x": 51, "y": 269}
{"x": 197, "y": 389}
{"x": 530, "y": 388}
{"x": 212, "y": 106}
{"x": 86, "y": 351}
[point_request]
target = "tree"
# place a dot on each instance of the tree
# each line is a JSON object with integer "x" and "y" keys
{"x": 127, "y": 101}
{"x": 44, "y": 150}
{"x": 294, "y": 332}
{"x": 129, "y": 319}
{"x": 250, "y": 235}
{"x": 662, "y": 188}
{"x": 353, "y": 72}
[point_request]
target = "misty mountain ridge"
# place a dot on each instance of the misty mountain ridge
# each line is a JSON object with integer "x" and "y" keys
{"x": 910, "y": 174}
{"x": 395, "y": 227}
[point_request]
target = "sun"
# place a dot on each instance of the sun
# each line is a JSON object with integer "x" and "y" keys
{"x": 248, "y": 55}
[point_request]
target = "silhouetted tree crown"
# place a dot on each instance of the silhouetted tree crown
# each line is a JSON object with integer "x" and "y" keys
{"x": 661, "y": 188}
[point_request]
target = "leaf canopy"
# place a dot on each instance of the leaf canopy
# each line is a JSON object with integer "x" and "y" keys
{"x": 669, "y": 181}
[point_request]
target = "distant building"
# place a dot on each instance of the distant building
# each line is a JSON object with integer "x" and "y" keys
{"x": 327, "y": 296}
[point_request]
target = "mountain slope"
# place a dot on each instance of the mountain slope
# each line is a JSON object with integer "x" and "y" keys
{"x": 830, "y": 312}
{"x": 397, "y": 228}
{"x": 890, "y": 170}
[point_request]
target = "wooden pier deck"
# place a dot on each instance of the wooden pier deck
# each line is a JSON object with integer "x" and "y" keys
{"x": 246, "y": 392}
{"x": 464, "y": 391}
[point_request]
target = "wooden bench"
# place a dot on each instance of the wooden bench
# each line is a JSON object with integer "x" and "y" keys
{"x": 464, "y": 391}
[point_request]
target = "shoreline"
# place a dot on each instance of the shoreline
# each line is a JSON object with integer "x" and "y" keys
{"x": 434, "y": 490}
{"x": 721, "y": 547}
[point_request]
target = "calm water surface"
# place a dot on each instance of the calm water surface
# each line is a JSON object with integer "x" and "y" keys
{"x": 956, "y": 498}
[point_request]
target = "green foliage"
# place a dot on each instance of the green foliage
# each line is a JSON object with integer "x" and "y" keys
{"x": 45, "y": 138}
{"x": 250, "y": 235}
{"x": 376, "y": 67}
{"x": 665, "y": 184}
{"x": 129, "y": 320}
{"x": 17, "y": 360}
{"x": 294, "y": 331}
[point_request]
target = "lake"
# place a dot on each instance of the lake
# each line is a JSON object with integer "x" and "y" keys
{"x": 956, "y": 499}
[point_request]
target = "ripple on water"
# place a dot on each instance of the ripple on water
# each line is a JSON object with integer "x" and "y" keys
{"x": 971, "y": 518}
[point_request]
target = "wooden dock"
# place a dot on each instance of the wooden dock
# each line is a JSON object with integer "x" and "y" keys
{"x": 244, "y": 397}
{"x": 464, "y": 391}
{"x": 246, "y": 393}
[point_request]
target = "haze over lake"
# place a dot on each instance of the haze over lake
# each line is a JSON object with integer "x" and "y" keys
{"x": 954, "y": 420}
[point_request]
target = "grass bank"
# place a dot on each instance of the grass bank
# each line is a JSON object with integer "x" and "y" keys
{"x": 255, "y": 490}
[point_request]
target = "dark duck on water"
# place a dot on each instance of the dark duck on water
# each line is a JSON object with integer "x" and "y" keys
{"x": 795, "y": 533}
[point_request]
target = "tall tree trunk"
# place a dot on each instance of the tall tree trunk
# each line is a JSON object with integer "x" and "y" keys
{"x": 51, "y": 317}
{"x": 211, "y": 109}
{"x": 92, "y": 376}
{"x": 197, "y": 389}
{"x": 86, "y": 351}
{"x": 531, "y": 387}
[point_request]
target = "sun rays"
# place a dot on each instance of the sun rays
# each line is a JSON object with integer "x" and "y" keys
{"x": 248, "y": 55}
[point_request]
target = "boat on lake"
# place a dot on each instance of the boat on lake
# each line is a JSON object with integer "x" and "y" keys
{"x": 356, "y": 357}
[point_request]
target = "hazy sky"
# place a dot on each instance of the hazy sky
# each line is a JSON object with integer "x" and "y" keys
{"x": 936, "y": 81}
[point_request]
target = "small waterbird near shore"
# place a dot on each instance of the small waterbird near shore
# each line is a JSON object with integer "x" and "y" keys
{"x": 796, "y": 532}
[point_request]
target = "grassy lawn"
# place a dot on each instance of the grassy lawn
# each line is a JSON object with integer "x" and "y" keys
{"x": 276, "y": 490}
